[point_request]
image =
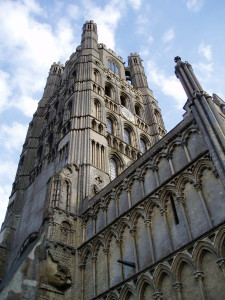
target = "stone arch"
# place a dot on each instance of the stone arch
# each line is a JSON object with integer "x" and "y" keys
{"x": 144, "y": 147}
{"x": 126, "y": 290}
{"x": 186, "y": 134}
{"x": 179, "y": 260}
{"x": 99, "y": 241}
{"x": 119, "y": 161}
{"x": 166, "y": 191}
{"x": 85, "y": 252}
{"x": 108, "y": 236}
{"x": 109, "y": 90}
{"x": 122, "y": 224}
{"x": 145, "y": 168}
{"x": 115, "y": 123}
{"x": 220, "y": 242}
{"x": 143, "y": 280}
{"x": 97, "y": 109}
{"x": 182, "y": 180}
{"x": 159, "y": 273}
{"x": 113, "y": 296}
{"x": 124, "y": 100}
{"x": 131, "y": 131}
{"x": 154, "y": 202}
{"x": 136, "y": 213}
{"x": 201, "y": 166}
{"x": 199, "y": 250}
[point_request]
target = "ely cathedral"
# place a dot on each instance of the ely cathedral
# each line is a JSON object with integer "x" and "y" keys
{"x": 106, "y": 204}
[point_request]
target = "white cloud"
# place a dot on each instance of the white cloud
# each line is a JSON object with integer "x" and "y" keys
{"x": 150, "y": 39}
{"x": 74, "y": 11}
{"x": 206, "y": 51}
{"x": 107, "y": 18}
{"x": 29, "y": 47}
{"x": 13, "y": 136}
{"x": 5, "y": 90}
{"x": 168, "y": 35}
{"x": 135, "y": 3}
{"x": 4, "y": 199}
{"x": 204, "y": 70}
{"x": 169, "y": 85}
{"x": 7, "y": 170}
{"x": 194, "y": 5}
{"x": 27, "y": 104}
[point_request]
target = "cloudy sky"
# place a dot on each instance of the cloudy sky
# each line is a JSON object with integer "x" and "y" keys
{"x": 34, "y": 34}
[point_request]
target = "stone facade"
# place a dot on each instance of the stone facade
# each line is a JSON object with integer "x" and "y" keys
{"x": 105, "y": 204}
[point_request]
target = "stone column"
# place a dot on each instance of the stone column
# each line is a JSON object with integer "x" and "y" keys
{"x": 199, "y": 276}
{"x": 133, "y": 235}
{"x": 107, "y": 266}
{"x": 119, "y": 244}
{"x": 148, "y": 224}
{"x": 82, "y": 268}
{"x": 141, "y": 179}
{"x": 178, "y": 286}
{"x": 169, "y": 158}
{"x": 129, "y": 197}
{"x": 84, "y": 230}
{"x": 94, "y": 258}
{"x": 184, "y": 145}
{"x": 180, "y": 200}
{"x": 155, "y": 170}
{"x": 198, "y": 187}
{"x": 164, "y": 214}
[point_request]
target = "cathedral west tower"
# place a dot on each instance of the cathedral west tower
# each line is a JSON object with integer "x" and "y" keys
{"x": 105, "y": 204}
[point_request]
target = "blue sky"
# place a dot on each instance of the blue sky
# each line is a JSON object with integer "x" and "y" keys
{"x": 34, "y": 34}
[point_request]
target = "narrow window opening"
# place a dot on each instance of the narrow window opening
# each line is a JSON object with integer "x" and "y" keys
{"x": 107, "y": 91}
{"x": 176, "y": 219}
{"x": 109, "y": 125}
{"x": 123, "y": 101}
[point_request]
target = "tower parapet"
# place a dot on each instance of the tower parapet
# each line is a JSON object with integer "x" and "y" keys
{"x": 89, "y": 38}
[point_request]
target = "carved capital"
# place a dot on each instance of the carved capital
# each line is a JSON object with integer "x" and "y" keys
{"x": 184, "y": 144}
{"x": 157, "y": 295}
{"x": 221, "y": 262}
{"x": 94, "y": 258}
{"x": 148, "y": 223}
{"x": 177, "y": 286}
{"x": 169, "y": 156}
{"x": 198, "y": 186}
{"x": 180, "y": 200}
{"x": 82, "y": 266}
{"x": 141, "y": 179}
{"x": 133, "y": 232}
{"x": 163, "y": 211}
{"x": 199, "y": 275}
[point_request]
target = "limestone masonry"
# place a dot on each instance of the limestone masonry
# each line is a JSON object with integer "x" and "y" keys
{"x": 105, "y": 203}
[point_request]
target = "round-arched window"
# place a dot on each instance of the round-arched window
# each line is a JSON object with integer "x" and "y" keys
{"x": 113, "y": 168}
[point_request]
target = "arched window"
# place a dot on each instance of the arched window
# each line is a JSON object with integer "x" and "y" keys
{"x": 158, "y": 118}
{"x": 123, "y": 101}
{"x": 109, "y": 125}
{"x": 69, "y": 110}
{"x": 68, "y": 195}
{"x": 138, "y": 110}
{"x": 113, "y": 67}
{"x": 113, "y": 168}
{"x": 143, "y": 146}
{"x": 50, "y": 142}
{"x": 96, "y": 76}
{"x": 97, "y": 109}
{"x": 127, "y": 137}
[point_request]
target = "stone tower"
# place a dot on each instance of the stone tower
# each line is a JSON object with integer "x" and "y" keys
{"x": 105, "y": 205}
{"x": 96, "y": 117}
